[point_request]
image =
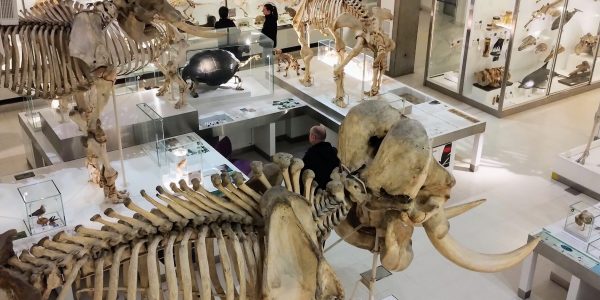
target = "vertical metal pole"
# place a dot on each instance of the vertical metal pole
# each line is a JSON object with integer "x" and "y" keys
{"x": 466, "y": 43}
{"x": 595, "y": 58}
{"x": 560, "y": 30}
{"x": 430, "y": 40}
{"x": 509, "y": 55}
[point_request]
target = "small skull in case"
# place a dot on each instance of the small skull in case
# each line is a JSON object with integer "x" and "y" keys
{"x": 584, "y": 218}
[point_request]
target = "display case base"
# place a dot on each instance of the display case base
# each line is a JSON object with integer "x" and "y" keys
{"x": 66, "y": 136}
{"x": 584, "y": 178}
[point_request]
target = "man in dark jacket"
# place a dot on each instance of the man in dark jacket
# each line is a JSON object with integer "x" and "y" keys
{"x": 321, "y": 157}
{"x": 225, "y": 21}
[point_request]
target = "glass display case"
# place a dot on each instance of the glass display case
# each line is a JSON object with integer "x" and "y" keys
{"x": 360, "y": 67}
{"x": 504, "y": 62}
{"x": 43, "y": 207}
{"x": 583, "y": 221}
{"x": 593, "y": 249}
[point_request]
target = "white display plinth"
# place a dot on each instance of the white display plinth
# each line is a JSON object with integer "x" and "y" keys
{"x": 583, "y": 177}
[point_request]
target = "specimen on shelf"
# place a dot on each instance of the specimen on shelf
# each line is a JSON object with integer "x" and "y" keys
{"x": 38, "y": 212}
{"x": 366, "y": 29}
{"x": 581, "y": 69}
{"x": 265, "y": 240}
{"x": 536, "y": 79}
{"x": 486, "y": 46}
{"x": 214, "y": 67}
{"x": 584, "y": 218}
{"x": 492, "y": 77}
{"x": 64, "y": 49}
{"x": 588, "y": 146}
{"x": 497, "y": 49}
{"x": 185, "y": 6}
{"x": 289, "y": 60}
{"x": 561, "y": 49}
{"x": 550, "y": 9}
{"x": 568, "y": 17}
{"x": 527, "y": 42}
{"x": 587, "y": 44}
{"x": 541, "y": 48}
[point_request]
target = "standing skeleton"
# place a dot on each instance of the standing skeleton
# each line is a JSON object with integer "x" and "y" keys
{"x": 329, "y": 16}
{"x": 268, "y": 237}
{"x": 595, "y": 129}
{"x": 61, "y": 49}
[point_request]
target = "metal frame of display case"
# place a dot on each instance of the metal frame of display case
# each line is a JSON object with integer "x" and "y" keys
{"x": 500, "y": 111}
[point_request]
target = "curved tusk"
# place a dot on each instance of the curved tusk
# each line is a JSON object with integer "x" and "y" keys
{"x": 476, "y": 261}
{"x": 198, "y": 31}
{"x": 460, "y": 209}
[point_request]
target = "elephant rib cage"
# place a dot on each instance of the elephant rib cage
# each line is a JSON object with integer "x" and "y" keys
{"x": 323, "y": 13}
{"x": 35, "y": 58}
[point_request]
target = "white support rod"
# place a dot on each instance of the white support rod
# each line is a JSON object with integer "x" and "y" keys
{"x": 119, "y": 143}
{"x": 374, "y": 268}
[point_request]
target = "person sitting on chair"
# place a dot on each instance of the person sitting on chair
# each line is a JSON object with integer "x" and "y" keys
{"x": 321, "y": 157}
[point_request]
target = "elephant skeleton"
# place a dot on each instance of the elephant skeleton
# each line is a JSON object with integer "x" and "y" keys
{"x": 61, "y": 49}
{"x": 329, "y": 16}
{"x": 268, "y": 237}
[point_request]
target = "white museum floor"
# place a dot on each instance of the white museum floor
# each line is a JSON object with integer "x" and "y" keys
{"x": 514, "y": 177}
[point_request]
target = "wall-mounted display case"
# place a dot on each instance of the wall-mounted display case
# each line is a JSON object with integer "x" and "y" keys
{"x": 508, "y": 56}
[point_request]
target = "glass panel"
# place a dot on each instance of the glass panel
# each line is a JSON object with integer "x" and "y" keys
{"x": 574, "y": 67}
{"x": 488, "y": 44}
{"x": 447, "y": 43}
{"x": 535, "y": 39}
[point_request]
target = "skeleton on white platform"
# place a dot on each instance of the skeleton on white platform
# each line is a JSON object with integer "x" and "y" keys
{"x": 261, "y": 240}
{"x": 329, "y": 16}
{"x": 595, "y": 130}
{"x": 63, "y": 49}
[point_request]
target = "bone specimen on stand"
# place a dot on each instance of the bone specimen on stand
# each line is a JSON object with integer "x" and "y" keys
{"x": 527, "y": 42}
{"x": 586, "y": 45}
{"x": 581, "y": 69}
{"x": 541, "y": 48}
{"x": 561, "y": 49}
{"x": 329, "y": 16}
{"x": 492, "y": 77}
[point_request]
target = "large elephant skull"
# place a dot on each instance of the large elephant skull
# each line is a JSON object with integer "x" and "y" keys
{"x": 403, "y": 187}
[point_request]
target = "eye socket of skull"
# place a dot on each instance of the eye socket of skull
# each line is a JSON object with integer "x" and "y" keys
{"x": 362, "y": 131}
{"x": 401, "y": 165}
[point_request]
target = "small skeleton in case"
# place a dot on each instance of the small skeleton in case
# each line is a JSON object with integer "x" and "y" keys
{"x": 289, "y": 60}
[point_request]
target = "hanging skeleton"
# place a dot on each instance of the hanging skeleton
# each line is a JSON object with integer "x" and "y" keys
{"x": 267, "y": 237}
{"x": 329, "y": 16}
{"x": 63, "y": 49}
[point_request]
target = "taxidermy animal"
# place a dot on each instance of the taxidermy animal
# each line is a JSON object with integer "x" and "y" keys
{"x": 268, "y": 238}
{"x": 214, "y": 67}
{"x": 329, "y": 16}
{"x": 39, "y": 212}
{"x": 561, "y": 49}
{"x": 595, "y": 128}
{"x": 62, "y": 49}
{"x": 536, "y": 79}
{"x": 568, "y": 17}
{"x": 289, "y": 60}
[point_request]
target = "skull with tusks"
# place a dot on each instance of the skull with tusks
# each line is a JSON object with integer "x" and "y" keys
{"x": 395, "y": 184}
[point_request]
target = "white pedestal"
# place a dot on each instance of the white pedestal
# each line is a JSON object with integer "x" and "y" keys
{"x": 585, "y": 178}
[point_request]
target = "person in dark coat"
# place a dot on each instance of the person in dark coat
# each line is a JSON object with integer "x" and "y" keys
{"x": 224, "y": 21}
{"x": 270, "y": 26}
{"x": 321, "y": 157}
